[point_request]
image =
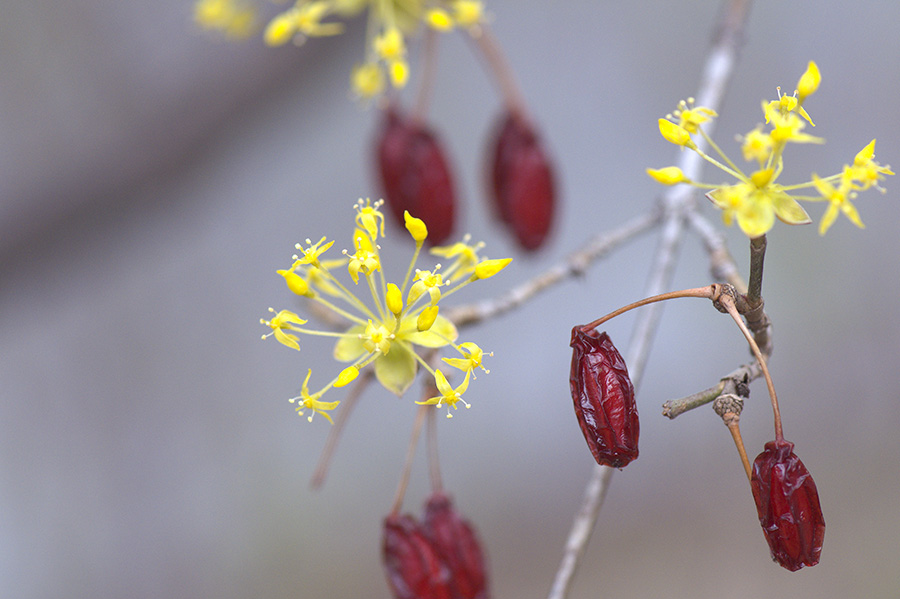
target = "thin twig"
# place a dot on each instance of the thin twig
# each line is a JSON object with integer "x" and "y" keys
{"x": 573, "y": 265}
{"x": 728, "y": 384}
{"x": 349, "y": 402}
{"x": 410, "y": 454}
{"x": 676, "y": 204}
{"x": 503, "y": 74}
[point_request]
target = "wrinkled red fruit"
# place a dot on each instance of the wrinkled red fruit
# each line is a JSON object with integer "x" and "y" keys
{"x": 456, "y": 543}
{"x": 415, "y": 175}
{"x": 414, "y": 568}
{"x": 604, "y": 398}
{"x": 788, "y": 506}
{"x": 522, "y": 181}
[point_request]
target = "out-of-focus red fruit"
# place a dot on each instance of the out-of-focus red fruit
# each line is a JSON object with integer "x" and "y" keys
{"x": 415, "y": 175}
{"x": 522, "y": 183}
{"x": 788, "y": 506}
{"x": 456, "y": 543}
{"x": 414, "y": 568}
{"x": 604, "y": 398}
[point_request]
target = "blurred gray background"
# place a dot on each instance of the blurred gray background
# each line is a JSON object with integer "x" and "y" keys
{"x": 153, "y": 179}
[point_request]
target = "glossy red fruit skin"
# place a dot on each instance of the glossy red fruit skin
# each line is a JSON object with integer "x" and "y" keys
{"x": 412, "y": 564}
{"x": 456, "y": 542}
{"x": 415, "y": 175}
{"x": 788, "y": 506}
{"x": 522, "y": 181}
{"x": 604, "y": 399}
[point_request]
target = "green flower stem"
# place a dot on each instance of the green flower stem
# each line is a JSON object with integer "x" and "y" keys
{"x": 715, "y": 147}
{"x": 423, "y": 362}
{"x": 458, "y": 287}
{"x": 352, "y": 318}
{"x": 737, "y": 174}
{"x": 409, "y": 270}
{"x": 347, "y": 296}
{"x": 375, "y": 298}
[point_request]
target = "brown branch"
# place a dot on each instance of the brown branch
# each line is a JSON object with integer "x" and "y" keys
{"x": 573, "y": 265}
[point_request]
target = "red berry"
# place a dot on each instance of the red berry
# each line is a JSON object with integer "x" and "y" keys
{"x": 788, "y": 506}
{"x": 522, "y": 182}
{"x": 455, "y": 541}
{"x": 604, "y": 398}
{"x": 415, "y": 175}
{"x": 414, "y": 568}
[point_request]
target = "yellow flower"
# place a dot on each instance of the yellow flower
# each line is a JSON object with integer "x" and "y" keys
{"x": 865, "y": 170}
{"x": 757, "y": 146}
{"x": 840, "y": 200}
{"x": 383, "y": 333}
{"x": 283, "y": 320}
{"x": 472, "y": 357}
{"x": 448, "y": 395}
{"x": 369, "y": 217}
{"x": 465, "y": 257}
{"x": 234, "y": 18}
{"x": 690, "y": 117}
{"x": 426, "y": 280}
{"x": 311, "y": 254}
{"x": 311, "y": 402}
{"x": 755, "y": 208}
{"x": 390, "y": 23}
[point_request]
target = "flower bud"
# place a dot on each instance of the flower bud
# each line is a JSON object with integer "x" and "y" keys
{"x": 788, "y": 506}
{"x": 675, "y": 134}
{"x": 415, "y": 175}
{"x": 456, "y": 543}
{"x": 414, "y": 569}
{"x": 809, "y": 81}
{"x": 522, "y": 182}
{"x": 604, "y": 398}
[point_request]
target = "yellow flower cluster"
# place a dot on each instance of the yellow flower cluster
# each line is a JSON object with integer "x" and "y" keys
{"x": 386, "y": 332}
{"x": 390, "y": 22}
{"x": 756, "y": 199}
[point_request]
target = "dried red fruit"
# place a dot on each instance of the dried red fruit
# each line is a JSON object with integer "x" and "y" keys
{"x": 604, "y": 398}
{"x": 414, "y": 568}
{"x": 788, "y": 506}
{"x": 456, "y": 543}
{"x": 522, "y": 181}
{"x": 415, "y": 174}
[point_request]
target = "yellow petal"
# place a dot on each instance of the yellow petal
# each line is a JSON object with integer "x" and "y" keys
{"x": 674, "y": 133}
